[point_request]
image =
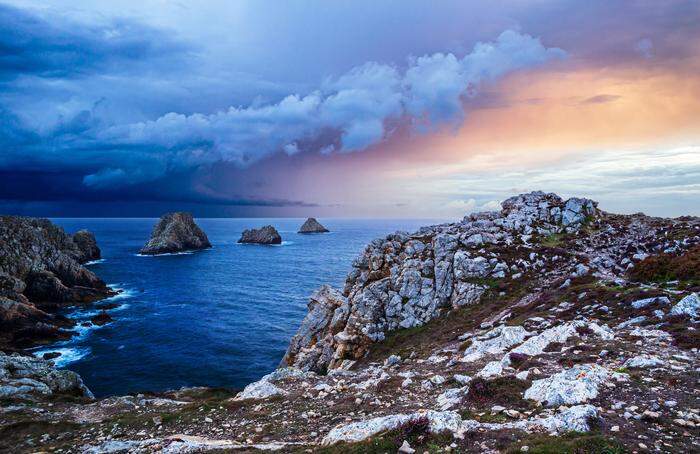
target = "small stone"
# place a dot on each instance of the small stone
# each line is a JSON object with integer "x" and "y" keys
{"x": 615, "y": 429}
{"x": 406, "y": 448}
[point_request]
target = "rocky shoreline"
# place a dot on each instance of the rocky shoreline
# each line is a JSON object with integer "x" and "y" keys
{"x": 550, "y": 326}
{"x": 42, "y": 272}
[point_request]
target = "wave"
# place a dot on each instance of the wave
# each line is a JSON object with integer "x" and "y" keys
{"x": 67, "y": 355}
{"x": 167, "y": 253}
{"x": 284, "y": 243}
{"x": 94, "y": 262}
{"x": 123, "y": 293}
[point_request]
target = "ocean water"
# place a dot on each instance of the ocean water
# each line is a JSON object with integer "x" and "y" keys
{"x": 220, "y": 317}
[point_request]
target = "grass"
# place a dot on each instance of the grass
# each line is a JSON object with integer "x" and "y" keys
{"x": 571, "y": 443}
{"x": 553, "y": 240}
{"x": 415, "y": 432}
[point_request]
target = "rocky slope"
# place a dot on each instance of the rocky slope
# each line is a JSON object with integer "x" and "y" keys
{"x": 264, "y": 235}
{"x": 551, "y": 326}
{"x": 40, "y": 272}
{"x": 175, "y": 232}
{"x": 311, "y": 225}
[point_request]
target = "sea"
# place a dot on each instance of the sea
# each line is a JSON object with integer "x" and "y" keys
{"x": 221, "y": 317}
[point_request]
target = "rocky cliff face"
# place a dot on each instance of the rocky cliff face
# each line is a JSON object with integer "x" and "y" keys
{"x": 311, "y": 225}
{"x": 264, "y": 235}
{"x": 41, "y": 271}
{"x": 176, "y": 232}
{"x": 406, "y": 280}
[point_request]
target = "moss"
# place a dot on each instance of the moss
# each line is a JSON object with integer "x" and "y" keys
{"x": 572, "y": 443}
{"x": 553, "y": 240}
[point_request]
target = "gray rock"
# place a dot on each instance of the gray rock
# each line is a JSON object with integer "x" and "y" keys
{"x": 264, "y": 235}
{"x": 690, "y": 305}
{"x": 639, "y": 304}
{"x": 26, "y": 377}
{"x": 87, "y": 245}
{"x": 312, "y": 226}
{"x": 571, "y": 386}
{"x": 175, "y": 232}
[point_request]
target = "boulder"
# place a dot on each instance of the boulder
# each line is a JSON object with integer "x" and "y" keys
{"x": 26, "y": 377}
{"x": 176, "y": 232}
{"x": 312, "y": 226}
{"x": 264, "y": 235}
{"x": 690, "y": 305}
{"x": 572, "y": 386}
{"x": 87, "y": 246}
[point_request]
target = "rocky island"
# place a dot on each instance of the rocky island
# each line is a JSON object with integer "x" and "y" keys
{"x": 311, "y": 225}
{"x": 264, "y": 235}
{"x": 175, "y": 232}
{"x": 41, "y": 272}
{"x": 550, "y": 326}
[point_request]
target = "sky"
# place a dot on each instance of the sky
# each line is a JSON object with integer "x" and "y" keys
{"x": 418, "y": 109}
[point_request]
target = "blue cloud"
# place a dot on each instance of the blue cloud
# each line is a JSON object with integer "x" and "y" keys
{"x": 59, "y": 47}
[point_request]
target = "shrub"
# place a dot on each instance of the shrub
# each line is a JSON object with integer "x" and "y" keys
{"x": 669, "y": 267}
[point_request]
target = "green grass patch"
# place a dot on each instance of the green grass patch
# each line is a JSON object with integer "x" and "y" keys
{"x": 571, "y": 443}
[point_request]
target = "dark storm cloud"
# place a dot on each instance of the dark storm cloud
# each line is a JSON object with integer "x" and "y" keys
{"x": 428, "y": 92}
{"x": 59, "y": 47}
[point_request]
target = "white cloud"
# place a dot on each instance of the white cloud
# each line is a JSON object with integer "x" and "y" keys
{"x": 357, "y": 105}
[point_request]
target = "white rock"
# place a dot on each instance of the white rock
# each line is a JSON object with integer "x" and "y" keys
{"x": 643, "y": 362}
{"x": 405, "y": 448}
{"x": 647, "y": 301}
{"x": 492, "y": 369}
{"x": 495, "y": 341}
{"x": 690, "y": 305}
{"x": 572, "y": 386}
{"x": 261, "y": 389}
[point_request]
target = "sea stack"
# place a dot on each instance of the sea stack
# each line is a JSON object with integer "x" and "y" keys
{"x": 87, "y": 246}
{"x": 312, "y": 226}
{"x": 176, "y": 232}
{"x": 263, "y": 235}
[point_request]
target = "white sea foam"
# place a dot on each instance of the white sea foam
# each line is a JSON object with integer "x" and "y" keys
{"x": 166, "y": 254}
{"x": 123, "y": 293}
{"x": 94, "y": 262}
{"x": 68, "y": 354}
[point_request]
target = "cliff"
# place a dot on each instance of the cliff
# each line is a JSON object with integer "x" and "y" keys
{"x": 550, "y": 326}
{"x": 41, "y": 272}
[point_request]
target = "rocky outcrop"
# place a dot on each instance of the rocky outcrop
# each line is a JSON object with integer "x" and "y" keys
{"x": 312, "y": 226}
{"x": 40, "y": 272}
{"x": 25, "y": 377}
{"x": 175, "y": 232}
{"x": 264, "y": 235}
{"x": 405, "y": 280}
{"x": 87, "y": 246}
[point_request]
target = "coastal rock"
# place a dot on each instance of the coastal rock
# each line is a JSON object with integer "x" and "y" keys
{"x": 264, "y": 235}
{"x": 25, "y": 377}
{"x": 311, "y": 225}
{"x": 175, "y": 232}
{"x": 40, "y": 272}
{"x": 87, "y": 246}
{"x": 404, "y": 281}
{"x": 572, "y": 386}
